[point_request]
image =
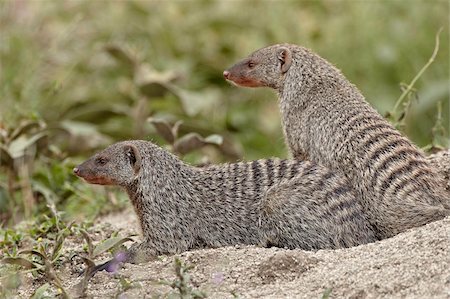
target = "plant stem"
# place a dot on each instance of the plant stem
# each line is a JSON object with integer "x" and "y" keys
{"x": 419, "y": 74}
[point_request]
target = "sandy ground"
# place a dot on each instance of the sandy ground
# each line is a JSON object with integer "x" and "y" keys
{"x": 414, "y": 264}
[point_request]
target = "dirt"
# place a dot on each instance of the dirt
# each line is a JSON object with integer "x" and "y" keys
{"x": 414, "y": 264}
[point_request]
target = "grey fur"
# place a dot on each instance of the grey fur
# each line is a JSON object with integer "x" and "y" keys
{"x": 327, "y": 120}
{"x": 284, "y": 203}
{"x": 441, "y": 161}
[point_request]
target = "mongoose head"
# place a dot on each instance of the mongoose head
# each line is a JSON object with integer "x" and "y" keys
{"x": 116, "y": 165}
{"x": 265, "y": 67}
{"x": 133, "y": 163}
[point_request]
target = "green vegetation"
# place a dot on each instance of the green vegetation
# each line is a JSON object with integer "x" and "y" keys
{"x": 76, "y": 76}
{"x": 182, "y": 284}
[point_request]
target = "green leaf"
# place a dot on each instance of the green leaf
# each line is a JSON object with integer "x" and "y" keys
{"x": 84, "y": 135}
{"x": 214, "y": 139}
{"x": 164, "y": 129}
{"x": 176, "y": 128}
{"x": 188, "y": 143}
{"x": 19, "y": 261}
{"x": 151, "y": 82}
{"x": 89, "y": 242}
{"x": 58, "y": 245}
{"x": 326, "y": 293}
{"x": 48, "y": 194}
{"x": 194, "y": 141}
{"x": 18, "y": 146}
{"x": 34, "y": 252}
{"x": 195, "y": 102}
{"x": 26, "y": 127}
{"x": 231, "y": 149}
{"x": 153, "y": 89}
{"x": 89, "y": 112}
{"x": 109, "y": 244}
{"x": 121, "y": 54}
{"x": 79, "y": 128}
{"x": 39, "y": 293}
{"x": 5, "y": 157}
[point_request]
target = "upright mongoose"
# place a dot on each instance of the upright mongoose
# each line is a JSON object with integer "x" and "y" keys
{"x": 283, "y": 203}
{"x": 327, "y": 120}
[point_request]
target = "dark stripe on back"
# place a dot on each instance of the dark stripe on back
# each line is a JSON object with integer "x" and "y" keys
{"x": 373, "y": 127}
{"x": 325, "y": 179}
{"x": 282, "y": 169}
{"x": 294, "y": 169}
{"x": 245, "y": 178}
{"x": 399, "y": 172}
{"x": 345, "y": 202}
{"x": 270, "y": 173}
{"x": 380, "y": 135}
{"x": 337, "y": 191}
{"x": 309, "y": 169}
{"x": 411, "y": 179}
{"x": 395, "y": 156}
{"x": 235, "y": 173}
{"x": 384, "y": 147}
{"x": 256, "y": 176}
{"x": 350, "y": 121}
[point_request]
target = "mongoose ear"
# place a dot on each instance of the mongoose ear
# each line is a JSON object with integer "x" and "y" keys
{"x": 284, "y": 56}
{"x": 134, "y": 157}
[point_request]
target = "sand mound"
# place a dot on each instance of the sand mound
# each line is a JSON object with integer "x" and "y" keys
{"x": 414, "y": 264}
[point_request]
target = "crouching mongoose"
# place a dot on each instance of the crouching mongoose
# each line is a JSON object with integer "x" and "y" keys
{"x": 327, "y": 120}
{"x": 283, "y": 203}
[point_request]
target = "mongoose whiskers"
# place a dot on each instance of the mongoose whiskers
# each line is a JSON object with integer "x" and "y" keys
{"x": 327, "y": 120}
{"x": 284, "y": 203}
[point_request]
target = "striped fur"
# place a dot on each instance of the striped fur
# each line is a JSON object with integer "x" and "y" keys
{"x": 284, "y": 203}
{"x": 441, "y": 161}
{"x": 327, "y": 120}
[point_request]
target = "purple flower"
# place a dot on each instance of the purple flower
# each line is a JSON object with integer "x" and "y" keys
{"x": 121, "y": 257}
{"x": 218, "y": 277}
{"x": 113, "y": 266}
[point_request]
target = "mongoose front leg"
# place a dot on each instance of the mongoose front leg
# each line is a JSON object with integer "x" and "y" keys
{"x": 137, "y": 253}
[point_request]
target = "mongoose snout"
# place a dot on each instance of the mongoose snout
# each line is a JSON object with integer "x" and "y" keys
{"x": 240, "y": 74}
{"x": 90, "y": 176}
{"x": 327, "y": 120}
{"x": 283, "y": 203}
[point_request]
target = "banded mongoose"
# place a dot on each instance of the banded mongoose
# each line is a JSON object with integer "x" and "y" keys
{"x": 441, "y": 161}
{"x": 327, "y": 120}
{"x": 283, "y": 203}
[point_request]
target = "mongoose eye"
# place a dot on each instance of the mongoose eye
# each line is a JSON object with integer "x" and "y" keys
{"x": 101, "y": 161}
{"x": 250, "y": 64}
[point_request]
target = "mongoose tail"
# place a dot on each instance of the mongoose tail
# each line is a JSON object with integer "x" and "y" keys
{"x": 284, "y": 203}
{"x": 327, "y": 120}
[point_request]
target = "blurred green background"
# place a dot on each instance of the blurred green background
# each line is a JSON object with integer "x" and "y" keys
{"x": 78, "y": 75}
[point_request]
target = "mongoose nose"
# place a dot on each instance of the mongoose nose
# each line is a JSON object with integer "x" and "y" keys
{"x": 226, "y": 74}
{"x": 76, "y": 170}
